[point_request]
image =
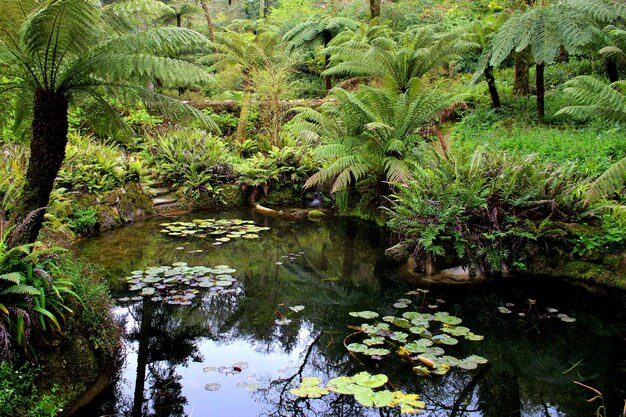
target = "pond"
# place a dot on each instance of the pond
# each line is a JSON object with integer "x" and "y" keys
{"x": 238, "y": 348}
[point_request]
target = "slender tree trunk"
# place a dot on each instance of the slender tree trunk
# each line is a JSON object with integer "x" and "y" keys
{"x": 240, "y": 135}
{"x": 541, "y": 100}
{"x": 47, "y": 151}
{"x": 611, "y": 70}
{"x": 178, "y": 20}
{"x": 261, "y": 9}
{"x": 374, "y": 9}
{"x": 209, "y": 22}
{"x": 327, "y": 37}
{"x": 521, "y": 78}
{"x": 491, "y": 83}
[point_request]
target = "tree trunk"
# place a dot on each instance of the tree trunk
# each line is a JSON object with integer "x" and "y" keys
{"x": 240, "y": 135}
{"x": 327, "y": 37}
{"x": 521, "y": 78}
{"x": 261, "y": 9}
{"x": 178, "y": 20}
{"x": 374, "y": 9}
{"x": 209, "y": 22}
{"x": 611, "y": 70}
{"x": 47, "y": 151}
{"x": 541, "y": 100}
{"x": 491, "y": 83}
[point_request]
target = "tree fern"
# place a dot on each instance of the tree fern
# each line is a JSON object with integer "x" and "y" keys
{"x": 368, "y": 134}
{"x": 71, "y": 52}
{"x": 597, "y": 100}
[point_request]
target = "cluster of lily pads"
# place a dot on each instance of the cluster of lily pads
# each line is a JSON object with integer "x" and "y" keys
{"x": 180, "y": 283}
{"x": 236, "y": 368}
{"x": 362, "y": 386}
{"x": 509, "y": 308}
{"x": 418, "y": 337}
{"x": 221, "y": 231}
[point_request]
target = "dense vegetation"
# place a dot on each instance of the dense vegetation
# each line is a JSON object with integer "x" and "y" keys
{"x": 486, "y": 175}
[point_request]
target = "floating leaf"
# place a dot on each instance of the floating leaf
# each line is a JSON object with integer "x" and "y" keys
{"x": 342, "y": 385}
{"x": 504, "y": 310}
{"x": 376, "y": 340}
{"x": 374, "y": 399}
{"x": 282, "y": 322}
{"x": 210, "y": 369}
{"x": 418, "y": 346}
{"x": 357, "y": 347}
{"x": 444, "y": 317}
{"x": 212, "y": 386}
{"x": 398, "y": 336}
{"x": 309, "y": 388}
{"x": 377, "y": 352}
{"x": 240, "y": 365}
{"x": 364, "y": 314}
{"x": 296, "y": 309}
{"x": 444, "y": 339}
{"x": 365, "y": 379}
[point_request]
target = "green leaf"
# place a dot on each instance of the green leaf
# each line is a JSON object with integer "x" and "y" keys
{"x": 369, "y": 398}
{"x": 365, "y": 379}
{"x": 364, "y": 314}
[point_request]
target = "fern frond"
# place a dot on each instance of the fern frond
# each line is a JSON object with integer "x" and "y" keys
{"x": 607, "y": 184}
{"x": 21, "y": 289}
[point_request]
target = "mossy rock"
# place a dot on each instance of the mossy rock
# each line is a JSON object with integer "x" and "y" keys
{"x": 232, "y": 196}
{"x": 316, "y": 214}
{"x": 281, "y": 198}
{"x": 613, "y": 274}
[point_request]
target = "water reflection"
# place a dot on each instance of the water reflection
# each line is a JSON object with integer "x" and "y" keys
{"x": 173, "y": 353}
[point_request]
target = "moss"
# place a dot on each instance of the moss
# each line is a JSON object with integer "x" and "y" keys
{"x": 281, "y": 197}
{"x": 613, "y": 275}
{"x": 232, "y": 196}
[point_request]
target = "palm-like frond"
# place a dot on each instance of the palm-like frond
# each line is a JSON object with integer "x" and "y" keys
{"x": 607, "y": 184}
{"x": 368, "y": 134}
{"x": 397, "y": 63}
{"x": 544, "y": 29}
{"x": 313, "y": 30}
{"x": 131, "y": 15}
{"x": 597, "y": 100}
{"x": 70, "y": 47}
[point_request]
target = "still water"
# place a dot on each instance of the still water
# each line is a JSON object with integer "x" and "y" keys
{"x": 224, "y": 354}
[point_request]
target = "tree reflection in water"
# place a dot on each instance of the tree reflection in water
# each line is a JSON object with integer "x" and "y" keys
{"x": 334, "y": 267}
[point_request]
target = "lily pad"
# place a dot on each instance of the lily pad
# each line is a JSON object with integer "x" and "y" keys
{"x": 296, "y": 309}
{"x": 374, "y": 398}
{"x": 365, "y": 379}
{"x": 364, "y": 314}
{"x": 309, "y": 388}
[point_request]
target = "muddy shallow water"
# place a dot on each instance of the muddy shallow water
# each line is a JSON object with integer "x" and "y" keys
{"x": 225, "y": 355}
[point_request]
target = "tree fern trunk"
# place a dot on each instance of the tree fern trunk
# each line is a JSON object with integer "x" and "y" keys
{"x": 491, "y": 83}
{"x": 611, "y": 70}
{"x": 521, "y": 78}
{"x": 240, "y": 135}
{"x": 374, "y": 9}
{"x": 541, "y": 100}
{"x": 207, "y": 16}
{"x": 327, "y": 37}
{"x": 47, "y": 151}
{"x": 261, "y": 9}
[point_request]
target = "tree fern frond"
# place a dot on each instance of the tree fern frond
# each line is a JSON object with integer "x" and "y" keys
{"x": 21, "y": 289}
{"x": 610, "y": 182}
{"x": 14, "y": 277}
{"x": 131, "y": 15}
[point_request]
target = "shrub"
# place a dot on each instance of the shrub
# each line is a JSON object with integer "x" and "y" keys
{"x": 95, "y": 166}
{"x": 84, "y": 221}
{"x": 19, "y": 396}
{"x": 486, "y": 209}
{"x": 194, "y": 160}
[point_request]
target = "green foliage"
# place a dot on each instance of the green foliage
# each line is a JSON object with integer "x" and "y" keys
{"x": 19, "y": 396}
{"x": 487, "y": 209}
{"x": 369, "y": 134}
{"x": 94, "y": 166}
{"x": 288, "y": 167}
{"x": 397, "y": 63}
{"x": 34, "y": 294}
{"x": 12, "y": 168}
{"x": 194, "y": 160}
{"x": 610, "y": 238}
{"x": 593, "y": 148}
{"x": 84, "y": 221}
